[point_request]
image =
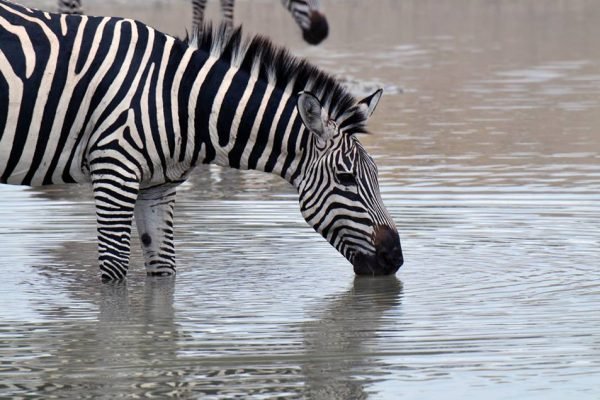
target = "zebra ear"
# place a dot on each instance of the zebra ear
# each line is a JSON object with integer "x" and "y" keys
{"x": 368, "y": 104}
{"x": 310, "y": 111}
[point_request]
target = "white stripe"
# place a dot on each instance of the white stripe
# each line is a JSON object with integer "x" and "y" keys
{"x": 235, "y": 124}
{"x": 175, "y": 96}
{"x": 221, "y": 153}
{"x": 255, "y": 128}
{"x": 146, "y": 128}
{"x": 160, "y": 112}
{"x": 133, "y": 131}
{"x": 278, "y": 168}
{"x": 271, "y": 140}
{"x": 63, "y": 24}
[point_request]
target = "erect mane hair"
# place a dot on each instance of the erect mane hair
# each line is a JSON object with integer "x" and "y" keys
{"x": 259, "y": 56}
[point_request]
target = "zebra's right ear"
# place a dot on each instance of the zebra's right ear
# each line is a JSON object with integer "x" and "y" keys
{"x": 311, "y": 113}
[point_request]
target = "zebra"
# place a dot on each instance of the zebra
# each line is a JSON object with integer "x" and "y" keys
{"x": 115, "y": 103}
{"x": 306, "y": 13}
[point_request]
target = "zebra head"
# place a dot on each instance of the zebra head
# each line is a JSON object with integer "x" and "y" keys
{"x": 339, "y": 191}
{"x": 311, "y": 20}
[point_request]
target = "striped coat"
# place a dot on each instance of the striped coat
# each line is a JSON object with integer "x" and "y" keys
{"x": 116, "y": 103}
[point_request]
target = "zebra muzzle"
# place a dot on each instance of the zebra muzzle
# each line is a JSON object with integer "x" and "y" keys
{"x": 318, "y": 29}
{"x": 388, "y": 254}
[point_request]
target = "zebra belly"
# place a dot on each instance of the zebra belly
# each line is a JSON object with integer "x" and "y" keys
{"x": 29, "y": 166}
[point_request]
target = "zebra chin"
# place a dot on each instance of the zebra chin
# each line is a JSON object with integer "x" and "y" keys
{"x": 369, "y": 265}
{"x": 387, "y": 258}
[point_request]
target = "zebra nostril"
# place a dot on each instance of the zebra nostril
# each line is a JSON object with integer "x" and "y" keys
{"x": 390, "y": 258}
{"x": 396, "y": 260}
{"x": 389, "y": 251}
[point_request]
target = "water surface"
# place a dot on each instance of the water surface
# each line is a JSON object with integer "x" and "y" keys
{"x": 489, "y": 154}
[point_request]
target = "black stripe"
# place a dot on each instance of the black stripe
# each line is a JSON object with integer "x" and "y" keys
{"x": 183, "y": 98}
{"x": 336, "y": 205}
{"x": 206, "y": 99}
{"x": 339, "y": 219}
{"x": 173, "y": 60}
{"x": 3, "y": 101}
{"x": 291, "y": 144}
{"x": 305, "y": 154}
{"x": 246, "y": 123}
{"x": 152, "y": 116}
{"x": 278, "y": 144}
{"x": 230, "y": 105}
{"x": 268, "y": 119}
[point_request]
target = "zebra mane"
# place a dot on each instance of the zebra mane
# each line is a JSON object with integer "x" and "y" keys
{"x": 259, "y": 56}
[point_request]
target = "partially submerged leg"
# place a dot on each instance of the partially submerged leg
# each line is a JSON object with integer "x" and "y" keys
{"x": 154, "y": 220}
{"x": 115, "y": 194}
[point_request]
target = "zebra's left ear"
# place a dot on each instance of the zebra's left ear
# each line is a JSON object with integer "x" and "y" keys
{"x": 311, "y": 112}
{"x": 368, "y": 104}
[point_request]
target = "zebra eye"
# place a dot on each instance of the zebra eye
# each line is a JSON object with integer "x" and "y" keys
{"x": 346, "y": 178}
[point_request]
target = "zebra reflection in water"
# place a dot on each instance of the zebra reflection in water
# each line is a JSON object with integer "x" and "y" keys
{"x": 143, "y": 342}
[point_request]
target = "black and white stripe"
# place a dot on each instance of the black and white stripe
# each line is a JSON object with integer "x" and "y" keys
{"x": 116, "y": 103}
{"x": 306, "y": 13}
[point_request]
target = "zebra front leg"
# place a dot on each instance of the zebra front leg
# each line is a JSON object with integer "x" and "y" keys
{"x": 115, "y": 196}
{"x": 154, "y": 219}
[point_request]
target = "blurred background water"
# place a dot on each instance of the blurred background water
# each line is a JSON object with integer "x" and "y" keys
{"x": 489, "y": 153}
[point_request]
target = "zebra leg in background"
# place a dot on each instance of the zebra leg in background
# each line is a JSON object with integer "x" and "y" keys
{"x": 154, "y": 219}
{"x": 227, "y": 11}
{"x": 115, "y": 192}
{"x": 69, "y": 7}
{"x": 198, "y": 7}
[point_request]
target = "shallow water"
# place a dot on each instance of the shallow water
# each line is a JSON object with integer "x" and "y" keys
{"x": 489, "y": 153}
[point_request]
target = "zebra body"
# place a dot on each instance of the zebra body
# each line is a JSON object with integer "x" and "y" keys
{"x": 306, "y": 13}
{"x": 116, "y": 103}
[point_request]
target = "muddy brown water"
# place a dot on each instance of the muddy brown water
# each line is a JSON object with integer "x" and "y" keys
{"x": 488, "y": 145}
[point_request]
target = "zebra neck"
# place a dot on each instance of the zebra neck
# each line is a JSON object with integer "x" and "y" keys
{"x": 244, "y": 121}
